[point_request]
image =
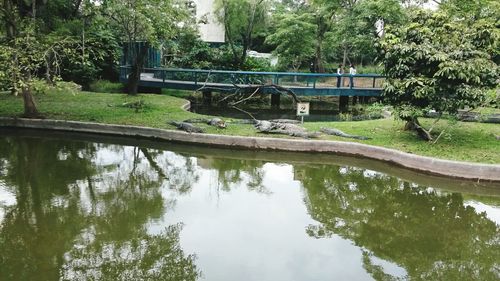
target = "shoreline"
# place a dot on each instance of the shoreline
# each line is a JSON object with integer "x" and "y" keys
{"x": 425, "y": 164}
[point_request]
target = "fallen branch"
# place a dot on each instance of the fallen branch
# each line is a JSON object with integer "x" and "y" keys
{"x": 245, "y": 99}
{"x": 249, "y": 91}
{"x": 246, "y": 112}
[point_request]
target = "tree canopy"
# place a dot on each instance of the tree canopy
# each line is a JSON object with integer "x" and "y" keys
{"x": 440, "y": 63}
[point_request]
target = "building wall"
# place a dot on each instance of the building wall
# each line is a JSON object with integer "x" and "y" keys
{"x": 210, "y": 30}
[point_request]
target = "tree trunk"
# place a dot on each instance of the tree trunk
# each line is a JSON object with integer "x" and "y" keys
{"x": 243, "y": 57}
{"x": 247, "y": 36}
{"x": 135, "y": 76}
{"x": 323, "y": 27}
{"x": 344, "y": 60}
{"x": 319, "y": 56}
{"x": 412, "y": 124}
{"x": 30, "y": 110}
{"x": 11, "y": 32}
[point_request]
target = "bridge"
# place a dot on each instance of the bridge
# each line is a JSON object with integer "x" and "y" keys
{"x": 302, "y": 84}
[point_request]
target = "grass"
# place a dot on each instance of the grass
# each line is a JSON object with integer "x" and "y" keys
{"x": 487, "y": 110}
{"x": 473, "y": 142}
{"x": 177, "y": 93}
{"x": 105, "y": 86}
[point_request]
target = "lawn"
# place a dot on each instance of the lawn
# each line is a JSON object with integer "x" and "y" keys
{"x": 473, "y": 142}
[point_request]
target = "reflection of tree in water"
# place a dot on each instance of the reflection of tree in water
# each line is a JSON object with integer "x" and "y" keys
{"x": 432, "y": 235}
{"x": 38, "y": 229}
{"x": 232, "y": 172}
{"x": 61, "y": 194}
{"x": 146, "y": 257}
{"x": 182, "y": 171}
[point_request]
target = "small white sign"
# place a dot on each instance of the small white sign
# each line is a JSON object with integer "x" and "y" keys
{"x": 302, "y": 109}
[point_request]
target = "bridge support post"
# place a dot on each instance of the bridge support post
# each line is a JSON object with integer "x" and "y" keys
{"x": 275, "y": 100}
{"x": 355, "y": 100}
{"x": 343, "y": 103}
{"x": 207, "y": 98}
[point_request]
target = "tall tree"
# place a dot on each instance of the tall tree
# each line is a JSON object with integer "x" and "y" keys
{"x": 148, "y": 21}
{"x": 241, "y": 18}
{"x": 294, "y": 39}
{"x": 438, "y": 63}
{"x": 28, "y": 48}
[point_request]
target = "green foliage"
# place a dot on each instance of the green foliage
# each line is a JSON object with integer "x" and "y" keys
{"x": 294, "y": 39}
{"x": 190, "y": 53}
{"x": 34, "y": 54}
{"x": 4, "y": 70}
{"x": 493, "y": 98}
{"x": 438, "y": 63}
{"x": 241, "y": 19}
{"x": 256, "y": 64}
{"x": 105, "y": 86}
{"x": 152, "y": 21}
{"x": 58, "y": 87}
{"x": 375, "y": 109}
{"x": 356, "y": 26}
{"x": 98, "y": 58}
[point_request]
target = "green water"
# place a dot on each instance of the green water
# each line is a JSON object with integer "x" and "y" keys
{"x": 76, "y": 207}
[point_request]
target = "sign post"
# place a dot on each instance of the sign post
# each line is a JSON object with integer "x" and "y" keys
{"x": 302, "y": 110}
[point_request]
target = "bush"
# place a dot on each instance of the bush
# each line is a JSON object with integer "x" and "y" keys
{"x": 59, "y": 87}
{"x": 256, "y": 64}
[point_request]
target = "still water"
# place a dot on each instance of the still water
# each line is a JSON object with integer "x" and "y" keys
{"x": 76, "y": 207}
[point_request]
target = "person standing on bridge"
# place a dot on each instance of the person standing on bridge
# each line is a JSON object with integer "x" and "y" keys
{"x": 352, "y": 71}
{"x": 340, "y": 71}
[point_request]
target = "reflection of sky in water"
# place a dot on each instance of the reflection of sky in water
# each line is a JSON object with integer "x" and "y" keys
{"x": 237, "y": 233}
{"x": 492, "y": 212}
{"x": 242, "y": 235}
{"x": 389, "y": 267}
{"x": 7, "y": 198}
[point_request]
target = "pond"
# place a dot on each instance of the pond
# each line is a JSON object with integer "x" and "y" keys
{"x": 81, "y": 207}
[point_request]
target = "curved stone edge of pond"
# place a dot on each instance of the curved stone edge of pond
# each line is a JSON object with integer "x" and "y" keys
{"x": 455, "y": 169}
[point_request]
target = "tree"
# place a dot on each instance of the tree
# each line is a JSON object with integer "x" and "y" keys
{"x": 26, "y": 51}
{"x": 148, "y": 21}
{"x": 355, "y": 25}
{"x": 295, "y": 39}
{"x": 438, "y": 63}
{"x": 241, "y": 18}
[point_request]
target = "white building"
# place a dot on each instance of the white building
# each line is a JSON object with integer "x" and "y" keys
{"x": 210, "y": 29}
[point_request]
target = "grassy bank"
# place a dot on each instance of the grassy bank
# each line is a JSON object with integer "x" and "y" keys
{"x": 473, "y": 142}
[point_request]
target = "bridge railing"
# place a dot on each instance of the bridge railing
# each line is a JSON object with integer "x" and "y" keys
{"x": 287, "y": 79}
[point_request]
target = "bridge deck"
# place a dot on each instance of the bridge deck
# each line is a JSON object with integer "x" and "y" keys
{"x": 302, "y": 84}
